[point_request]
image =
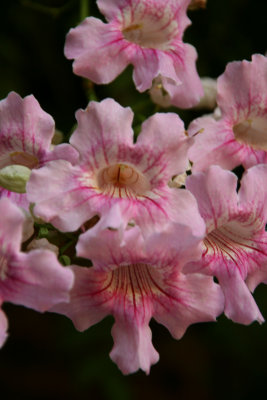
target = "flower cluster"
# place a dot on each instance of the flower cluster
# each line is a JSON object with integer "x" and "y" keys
{"x": 154, "y": 241}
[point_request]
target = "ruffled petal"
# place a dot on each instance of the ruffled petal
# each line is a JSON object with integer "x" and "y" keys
{"x": 240, "y": 305}
{"x": 235, "y": 98}
{"x": 189, "y": 90}
{"x": 164, "y": 135}
{"x": 36, "y": 280}
{"x": 216, "y": 194}
{"x": 86, "y": 306}
{"x": 25, "y": 129}
{"x": 215, "y": 144}
{"x": 104, "y": 131}
{"x": 132, "y": 348}
{"x": 191, "y": 298}
{"x": 106, "y": 44}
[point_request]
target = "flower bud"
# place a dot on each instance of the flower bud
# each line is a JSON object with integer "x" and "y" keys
{"x": 14, "y": 178}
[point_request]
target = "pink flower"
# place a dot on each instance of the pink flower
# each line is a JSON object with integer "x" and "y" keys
{"x": 235, "y": 246}
{"x": 239, "y": 137}
{"x": 145, "y": 33}
{"x": 35, "y": 279}
{"x": 26, "y": 132}
{"x": 113, "y": 170}
{"x": 135, "y": 280}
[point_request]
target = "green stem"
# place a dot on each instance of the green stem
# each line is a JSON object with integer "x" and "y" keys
{"x": 84, "y": 9}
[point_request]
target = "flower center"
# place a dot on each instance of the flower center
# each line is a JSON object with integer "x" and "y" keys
{"x": 150, "y": 28}
{"x": 121, "y": 180}
{"x": 25, "y": 159}
{"x": 252, "y": 132}
{"x": 235, "y": 242}
{"x": 133, "y": 287}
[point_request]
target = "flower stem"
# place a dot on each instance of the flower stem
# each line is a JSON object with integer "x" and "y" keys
{"x": 84, "y": 9}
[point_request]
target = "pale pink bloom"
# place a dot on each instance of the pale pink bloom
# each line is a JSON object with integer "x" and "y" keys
{"x": 235, "y": 246}
{"x": 240, "y": 135}
{"x": 26, "y": 132}
{"x": 134, "y": 281}
{"x": 35, "y": 279}
{"x": 114, "y": 170}
{"x": 145, "y": 33}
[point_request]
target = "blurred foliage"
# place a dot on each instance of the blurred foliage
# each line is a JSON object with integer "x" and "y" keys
{"x": 45, "y": 357}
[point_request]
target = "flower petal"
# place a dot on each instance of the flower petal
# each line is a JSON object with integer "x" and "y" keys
{"x": 132, "y": 348}
{"x": 3, "y": 328}
{"x": 37, "y": 280}
{"x": 199, "y": 299}
{"x": 105, "y": 44}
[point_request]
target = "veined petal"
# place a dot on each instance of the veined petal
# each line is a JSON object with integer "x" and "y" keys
{"x": 240, "y": 305}
{"x": 109, "y": 134}
{"x": 171, "y": 148}
{"x": 105, "y": 44}
{"x": 200, "y": 300}
{"x": 207, "y": 189}
{"x": 189, "y": 91}
{"x": 11, "y": 227}
{"x": 235, "y": 246}
{"x": 26, "y": 130}
{"x": 36, "y": 280}
{"x": 234, "y": 97}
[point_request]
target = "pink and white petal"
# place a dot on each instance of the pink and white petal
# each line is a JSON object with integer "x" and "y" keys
{"x": 104, "y": 130}
{"x": 62, "y": 151}
{"x": 253, "y": 157}
{"x": 24, "y": 127}
{"x": 112, "y": 8}
{"x": 20, "y": 199}
{"x": 3, "y": 328}
{"x": 216, "y": 194}
{"x": 105, "y": 43}
{"x": 12, "y": 220}
{"x": 89, "y": 303}
{"x": 191, "y": 298}
{"x": 253, "y": 191}
{"x": 116, "y": 246}
{"x": 133, "y": 347}
{"x": 164, "y": 134}
{"x": 188, "y": 93}
{"x": 240, "y": 305}
{"x": 256, "y": 277}
{"x": 146, "y": 66}
{"x": 60, "y": 197}
{"x": 37, "y": 280}
{"x": 173, "y": 246}
{"x": 214, "y": 144}
{"x": 235, "y": 98}
{"x": 183, "y": 209}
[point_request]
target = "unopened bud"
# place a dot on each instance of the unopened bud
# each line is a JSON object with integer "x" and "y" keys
{"x": 14, "y": 178}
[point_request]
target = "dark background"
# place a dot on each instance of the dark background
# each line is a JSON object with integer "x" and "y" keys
{"x": 45, "y": 357}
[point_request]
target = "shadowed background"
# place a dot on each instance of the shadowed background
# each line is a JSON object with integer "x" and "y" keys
{"x": 45, "y": 357}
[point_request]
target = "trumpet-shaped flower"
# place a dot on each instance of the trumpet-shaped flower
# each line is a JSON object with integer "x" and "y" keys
{"x": 135, "y": 280}
{"x": 240, "y": 135}
{"x": 235, "y": 246}
{"x": 35, "y": 279}
{"x": 146, "y": 34}
{"x": 26, "y": 132}
{"x": 113, "y": 170}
